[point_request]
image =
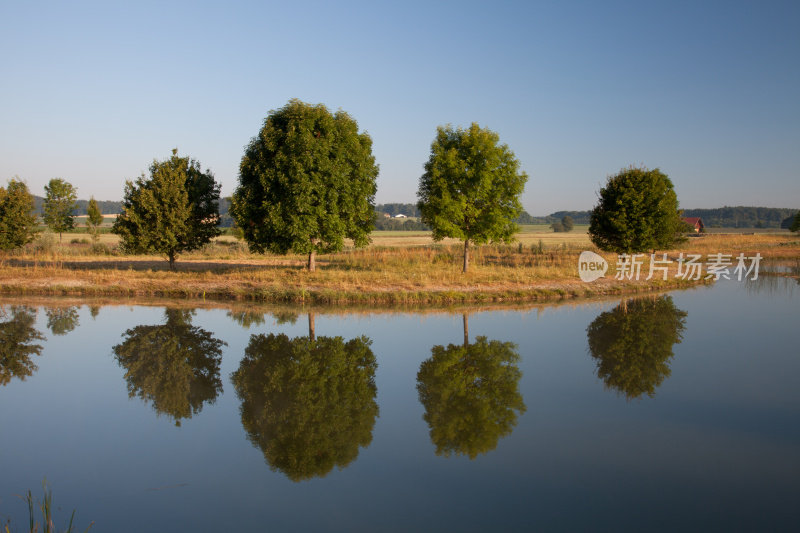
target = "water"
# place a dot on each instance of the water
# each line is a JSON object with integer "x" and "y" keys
{"x": 678, "y": 412}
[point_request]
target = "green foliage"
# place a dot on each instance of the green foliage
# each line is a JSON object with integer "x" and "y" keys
{"x": 174, "y": 211}
{"x": 17, "y": 337}
{"x": 558, "y": 227}
{"x": 17, "y": 224}
{"x": 94, "y": 219}
{"x": 308, "y": 404}
{"x": 471, "y": 186}
{"x": 175, "y": 366}
{"x": 59, "y": 202}
{"x": 796, "y": 223}
{"x": 567, "y": 223}
{"x": 637, "y": 211}
{"x": 61, "y": 320}
{"x": 632, "y": 344}
{"x": 471, "y": 396}
{"x": 306, "y": 182}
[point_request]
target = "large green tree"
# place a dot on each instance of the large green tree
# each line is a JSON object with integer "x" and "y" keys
{"x": 308, "y": 403}
{"x": 175, "y": 210}
{"x": 17, "y": 223}
{"x": 17, "y": 338}
{"x": 306, "y": 182}
{"x": 637, "y": 211}
{"x": 632, "y": 344}
{"x": 471, "y": 395}
{"x": 94, "y": 218}
{"x": 59, "y": 203}
{"x": 175, "y": 365}
{"x": 471, "y": 186}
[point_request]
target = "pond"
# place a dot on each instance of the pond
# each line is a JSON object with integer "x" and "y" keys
{"x": 671, "y": 412}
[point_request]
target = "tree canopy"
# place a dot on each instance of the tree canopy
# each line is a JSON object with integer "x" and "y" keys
{"x": 632, "y": 344}
{"x": 471, "y": 186}
{"x": 307, "y": 403}
{"x": 94, "y": 218}
{"x": 17, "y": 223}
{"x": 471, "y": 395}
{"x": 62, "y": 320}
{"x": 637, "y": 211}
{"x": 795, "y": 223}
{"x": 59, "y": 202}
{"x": 175, "y": 365}
{"x": 17, "y": 338}
{"x": 306, "y": 182}
{"x": 175, "y": 210}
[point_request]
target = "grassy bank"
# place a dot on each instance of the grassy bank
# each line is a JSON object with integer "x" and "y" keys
{"x": 395, "y": 269}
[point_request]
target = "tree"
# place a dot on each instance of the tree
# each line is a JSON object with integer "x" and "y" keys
{"x": 796, "y": 223}
{"x": 174, "y": 211}
{"x": 471, "y": 395}
{"x": 59, "y": 202}
{"x": 62, "y": 320}
{"x": 637, "y": 211}
{"x": 307, "y": 403}
{"x": 94, "y": 218}
{"x": 471, "y": 186}
{"x": 306, "y": 182}
{"x": 16, "y": 221}
{"x": 558, "y": 227}
{"x": 17, "y": 337}
{"x": 175, "y": 366}
{"x": 568, "y": 223}
{"x": 632, "y": 344}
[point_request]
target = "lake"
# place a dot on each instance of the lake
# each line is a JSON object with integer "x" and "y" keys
{"x": 664, "y": 413}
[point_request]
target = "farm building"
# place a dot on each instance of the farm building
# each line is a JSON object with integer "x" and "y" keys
{"x": 696, "y": 223}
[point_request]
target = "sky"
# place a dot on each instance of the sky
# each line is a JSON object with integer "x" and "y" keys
{"x": 93, "y": 92}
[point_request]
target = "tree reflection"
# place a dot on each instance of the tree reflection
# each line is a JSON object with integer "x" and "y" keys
{"x": 470, "y": 394}
{"x": 61, "y": 320}
{"x": 174, "y": 366}
{"x": 17, "y": 337}
{"x": 632, "y": 344}
{"x": 308, "y": 403}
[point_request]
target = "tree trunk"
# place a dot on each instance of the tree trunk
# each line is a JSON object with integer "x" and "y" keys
{"x": 312, "y": 261}
{"x": 172, "y": 261}
{"x": 466, "y": 329}
{"x": 311, "y": 331}
{"x": 466, "y": 256}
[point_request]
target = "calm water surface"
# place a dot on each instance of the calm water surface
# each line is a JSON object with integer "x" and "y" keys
{"x": 679, "y": 412}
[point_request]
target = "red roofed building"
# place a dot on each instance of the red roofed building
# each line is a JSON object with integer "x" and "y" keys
{"x": 696, "y": 223}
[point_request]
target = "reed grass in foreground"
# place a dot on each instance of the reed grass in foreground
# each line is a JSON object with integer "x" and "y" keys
{"x": 429, "y": 274}
{"x": 46, "y": 509}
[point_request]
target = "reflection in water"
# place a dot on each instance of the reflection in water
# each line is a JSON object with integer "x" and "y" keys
{"x": 632, "y": 344}
{"x": 175, "y": 366}
{"x": 17, "y": 335}
{"x": 248, "y": 318}
{"x": 470, "y": 394}
{"x": 308, "y": 403}
{"x": 61, "y": 320}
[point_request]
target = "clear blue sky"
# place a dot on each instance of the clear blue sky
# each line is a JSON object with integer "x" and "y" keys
{"x": 92, "y": 92}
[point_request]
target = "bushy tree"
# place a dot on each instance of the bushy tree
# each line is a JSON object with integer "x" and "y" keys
{"x": 306, "y": 182}
{"x": 796, "y": 223}
{"x": 568, "y": 223}
{"x": 17, "y": 224}
{"x": 471, "y": 186}
{"x": 175, "y": 210}
{"x": 94, "y": 218}
{"x": 59, "y": 203}
{"x": 17, "y": 338}
{"x": 632, "y": 344}
{"x": 307, "y": 403}
{"x": 637, "y": 211}
{"x": 175, "y": 365}
{"x": 558, "y": 227}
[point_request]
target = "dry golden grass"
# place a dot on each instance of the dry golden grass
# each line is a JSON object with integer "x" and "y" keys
{"x": 395, "y": 268}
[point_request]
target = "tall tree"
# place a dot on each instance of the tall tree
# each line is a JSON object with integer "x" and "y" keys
{"x": 307, "y": 403}
{"x": 637, "y": 211}
{"x": 59, "y": 202}
{"x": 94, "y": 218}
{"x": 632, "y": 344}
{"x": 175, "y": 365}
{"x": 568, "y": 223}
{"x": 174, "y": 211}
{"x": 471, "y": 186}
{"x": 17, "y": 224}
{"x": 306, "y": 182}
